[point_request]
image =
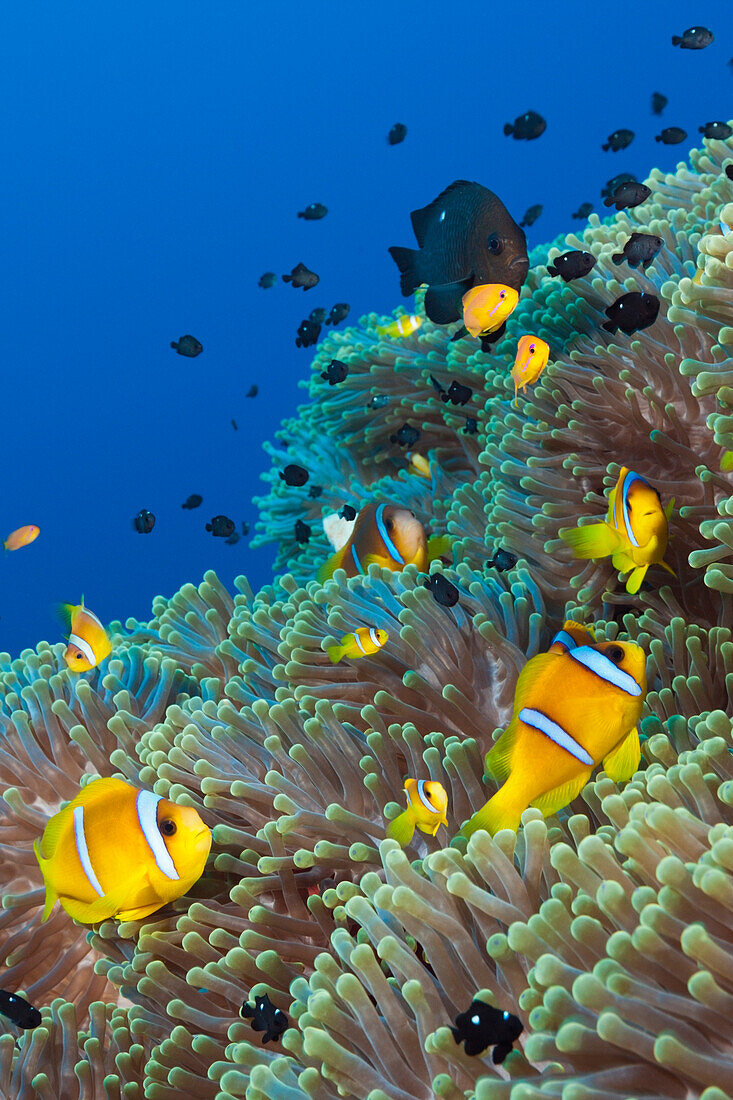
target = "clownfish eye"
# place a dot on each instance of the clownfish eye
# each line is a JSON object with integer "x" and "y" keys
{"x": 495, "y": 244}
{"x": 615, "y": 653}
{"x": 167, "y": 827}
{"x": 389, "y": 524}
{"x": 413, "y": 515}
{"x": 79, "y": 656}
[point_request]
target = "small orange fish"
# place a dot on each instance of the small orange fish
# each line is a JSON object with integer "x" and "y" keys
{"x": 486, "y": 307}
{"x": 89, "y": 643}
{"x": 388, "y": 534}
{"x": 531, "y": 360}
{"x": 22, "y": 537}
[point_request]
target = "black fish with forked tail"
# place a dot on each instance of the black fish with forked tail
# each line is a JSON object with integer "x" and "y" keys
{"x": 466, "y": 237}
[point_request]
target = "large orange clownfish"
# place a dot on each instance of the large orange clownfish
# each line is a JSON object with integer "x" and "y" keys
{"x": 89, "y": 642}
{"x": 386, "y": 534}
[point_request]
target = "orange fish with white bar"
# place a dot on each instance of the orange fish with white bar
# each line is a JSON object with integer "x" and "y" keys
{"x": 385, "y": 534}
{"x": 403, "y": 326}
{"x": 89, "y": 642}
{"x": 531, "y": 359}
{"x": 118, "y": 851}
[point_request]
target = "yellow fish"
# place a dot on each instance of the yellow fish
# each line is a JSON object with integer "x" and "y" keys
{"x": 117, "y": 851}
{"x": 486, "y": 307}
{"x": 22, "y": 536}
{"x": 572, "y": 711}
{"x": 362, "y": 643}
{"x": 634, "y": 534}
{"x": 89, "y": 642}
{"x": 403, "y": 326}
{"x": 531, "y": 360}
{"x": 420, "y": 465}
{"x": 726, "y": 462}
{"x": 387, "y": 534}
{"x": 572, "y": 634}
{"x": 427, "y": 803}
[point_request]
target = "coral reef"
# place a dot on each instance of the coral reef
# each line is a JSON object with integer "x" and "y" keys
{"x": 608, "y": 928}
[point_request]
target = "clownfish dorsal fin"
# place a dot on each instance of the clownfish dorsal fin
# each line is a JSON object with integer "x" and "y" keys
{"x": 338, "y": 530}
{"x": 623, "y": 761}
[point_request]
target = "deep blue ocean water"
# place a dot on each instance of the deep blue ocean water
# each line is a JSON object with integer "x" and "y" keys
{"x": 155, "y": 157}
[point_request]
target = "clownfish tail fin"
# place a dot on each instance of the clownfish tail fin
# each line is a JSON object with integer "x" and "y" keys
{"x": 401, "y": 828}
{"x": 595, "y": 540}
{"x": 335, "y": 653}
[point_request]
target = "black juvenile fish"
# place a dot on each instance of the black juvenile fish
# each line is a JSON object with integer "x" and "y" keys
{"x": 671, "y": 135}
{"x": 267, "y": 280}
{"x": 694, "y": 38}
{"x": 397, "y": 134}
{"x": 318, "y": 315}
{"x": 252, "y": 391}
{"x": 471, "y": 427}
{"x": 378, "y": 401}
{"x": 193, "y": 501}
{"x": 532, "y": 214}
{"x": 482, "y": 1026}
{"x": 294, "y": 475}
{"x": 245, "y": 528}
{"x": 526, "y": 127}
{"x": 632, "y": 312}
{"x": 628, "y": 195}
{"x": 618, "y": 140}
{"x": 301, "y": 276}
{"x": 265, "y": 1017}
{"x": 347, "y": 512}
{"x": 144, "y": 522}
{"x": 338, "y": 313}
{"x": 641, "y": 248}
{"x": 235, "y": 425}
{"x": 18, "y": 1010}
{"x": 659, "y": 102}
{"x": 302, "y": 531}
{"x": 572, "y": 265}
{"x": 315, "y": 491}
{"x": 188, "y": 345}
{"x": 313, "y": 212}
{"x": 502, "y": 560}
{"x": 466, "y": 237}
{"x": 444, "y": 593}
{"x": 615, "y": 182}
{"x": 720, "y": 130}
{"x": 335, "y": 372}
{"x": 457, "y": 394}
{"x": 308, "y": 333}
{"x": 221, "y": 527}
{"x": 583, "y": 211}
{"x": 406, "y": 436}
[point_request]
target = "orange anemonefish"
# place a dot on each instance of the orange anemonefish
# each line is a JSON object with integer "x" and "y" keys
{"x": 22, "y": 537}
{"x": 531, "y": 360}
{"x": 419, "y": 465}
{"x": 403, "y": 326}
{"x": 386, "y": 534}
{"x": 486, "y": 307}
{"x": 427, "y": 803}
{"x": 118, "y": 851}
{"x": 572, "y": 711}
{"x": 635, "y": 531}
{"x": 89, "y": 643}
{"x": 361, "y": 643}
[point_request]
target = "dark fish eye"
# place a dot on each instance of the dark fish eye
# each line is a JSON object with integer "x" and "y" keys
{"x": 615, "y": 653}
{"x": 167, "y": 827}
{"x": 495, "y": 244}
{"x": 79, "y": 656}
{"x": 413, "y": 515}
{"x": 531, "y": 347}
{"x": 389, "y": 524}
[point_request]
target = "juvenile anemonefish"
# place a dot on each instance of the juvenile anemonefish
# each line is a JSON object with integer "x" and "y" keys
{"x": 635, "y": 531}
{"x": 572, "y": 635}
{"x": 572, "y": 711}
{"x": 361, "y": 643}
{"x": 531, "y": 360}
{"x": 427, "y": 803}
{"x": 89, "y": 643}
{"x": 419, "y": 465}
{"x": 403, "y": 326}
{"x": 22, "y": 537}
{"x": 117, "y": 851}
{"x": 486, "y": 307}
{"x": 387, "y": 534}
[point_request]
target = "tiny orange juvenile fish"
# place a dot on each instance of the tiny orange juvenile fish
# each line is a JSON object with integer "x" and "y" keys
{"x": 531, "y": 360}
{"x": 486, "y": 307}
{"x": 88, "y": 640}
{"x": 403, "y": 326}
{"x": 22, "y": 537}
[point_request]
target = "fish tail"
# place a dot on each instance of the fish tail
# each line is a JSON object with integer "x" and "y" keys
{"x": 608, "y": 201}
{"x": 595, "y": 540}
{"x": 508, "y": 128}
{"x": 676, "y": 40}
{"x": 618, "y": 258}
{"x": 605, "y": 147}
{"x": 440, "y": 546}
{"x": 500, "y": 812}
{"x": 552, "y": 269}
{"x": 610, "y": 326}
{"x": 408, "y": 262}
{"x": 402, "y": 828}
{"x": 336, "y": 652}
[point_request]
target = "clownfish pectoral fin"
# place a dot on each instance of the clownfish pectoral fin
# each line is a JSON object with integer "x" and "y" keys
{"x": 499, "y": 758}
{"x": 51, "y": 895}
{"x": 554, "y": 800}
{"x": 668, "y": 507}
{"x": 595, "y": 540}
{"x": 623, "y": 761}
{"x": 380, "y": 560}
{"x": 440, "y": 546}
{"x": 335, "y": 653}
{"x": 633, "y": 581}
{"x": 402, "y": 828}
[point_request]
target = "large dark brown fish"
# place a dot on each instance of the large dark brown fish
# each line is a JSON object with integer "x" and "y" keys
{"x": 467, "y": 237}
